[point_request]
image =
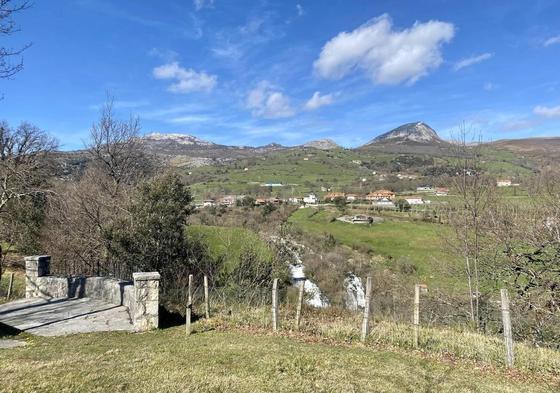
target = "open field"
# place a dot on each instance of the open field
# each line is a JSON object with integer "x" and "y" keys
{"x": 229, "y": 243}
{"x": 419, "y": 243}
{"x": 305, "y": 170}
{"x": 237, "y": 361}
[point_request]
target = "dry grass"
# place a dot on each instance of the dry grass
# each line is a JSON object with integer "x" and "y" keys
{"x": 344, "y": 327}
{"x": 234, "y": 361}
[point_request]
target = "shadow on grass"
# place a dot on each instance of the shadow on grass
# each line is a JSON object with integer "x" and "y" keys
{"x": 169, "y": 319}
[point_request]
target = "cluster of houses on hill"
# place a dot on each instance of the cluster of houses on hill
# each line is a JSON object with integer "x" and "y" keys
{"x": 380, "y": 198}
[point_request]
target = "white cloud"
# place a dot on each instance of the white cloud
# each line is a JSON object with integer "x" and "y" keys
{"x": 318, "y": 100}
{"x": 300, "y": 10}
{"x": 469, "y": 61}
{"x": 190, "y": 119}
{"x": 547, "y": 111}
{"x": 489, "y": 86}
{"x": 267, "y": 102}
{"x": 387, "y": 56}
{"x": 186, "y": 80}
{"x": 552, "y": 41}
{"x": 200, "y": 4}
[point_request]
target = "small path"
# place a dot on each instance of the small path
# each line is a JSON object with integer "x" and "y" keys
{"x": 9, "y": 343}
{"x": 58, "y": 317}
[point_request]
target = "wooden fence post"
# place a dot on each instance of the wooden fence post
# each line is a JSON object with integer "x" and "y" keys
{"x": 416, "y": 318}
{"x": 367, "y": 307}
{"x": 418, "y": 288}
{"x": 299, "y": 303}
{"x": 189, "y": 306}
{"x": 506, "y": 319}
{"x": 206, "y": 298}
{"x": 275, "y": 305}
{"x": 10, "y": 286}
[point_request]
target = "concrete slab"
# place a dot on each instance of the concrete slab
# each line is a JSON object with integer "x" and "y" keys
{"x": 9, "y": 343}
{"x": 58, "y": 317}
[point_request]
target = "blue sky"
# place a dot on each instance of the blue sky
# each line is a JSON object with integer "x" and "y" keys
{"x": 255, "y": 72}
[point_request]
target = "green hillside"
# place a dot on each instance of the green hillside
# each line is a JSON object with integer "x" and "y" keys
{"x": 304, "y": 170}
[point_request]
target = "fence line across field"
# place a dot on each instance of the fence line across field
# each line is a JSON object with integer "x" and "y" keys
{"x": 204, "y": 298}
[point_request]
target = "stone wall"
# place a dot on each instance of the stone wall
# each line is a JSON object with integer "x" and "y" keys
{"x": 140, "y": 296}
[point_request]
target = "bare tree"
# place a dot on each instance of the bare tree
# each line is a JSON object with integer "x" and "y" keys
{"x": 115, "y": 147}
{"x": 476, "y": 193}
{"x": 80, "y": 216}
{"x": 527, "y": 239}
{"x": 24, "y": 168}
{"x": 23, "y": 161}
{"x": 7, "y": 27}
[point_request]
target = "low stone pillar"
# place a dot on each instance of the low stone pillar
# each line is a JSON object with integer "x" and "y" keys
{"x": 146, "y": 301}
{"x": 35, "y": 267}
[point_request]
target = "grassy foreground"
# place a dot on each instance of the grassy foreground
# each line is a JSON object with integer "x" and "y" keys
{"x": 235, "y": 361}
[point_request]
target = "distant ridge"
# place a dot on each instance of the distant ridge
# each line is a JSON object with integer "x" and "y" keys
{"x": 182, "y": 139}
{"x": 322, "y": 144}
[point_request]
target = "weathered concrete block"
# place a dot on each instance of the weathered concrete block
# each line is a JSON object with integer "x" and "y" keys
{"x": 145, "y": 313}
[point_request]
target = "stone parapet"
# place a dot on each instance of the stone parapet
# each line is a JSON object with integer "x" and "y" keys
{"x": 141, "y": 296}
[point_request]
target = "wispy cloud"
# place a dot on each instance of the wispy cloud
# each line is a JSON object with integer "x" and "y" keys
{"x": 387, "y": 56}
{"x": 518, "y": 124}
{"x": 186, "y": 80}
{"x": 191, "y": 30}
{"x": 190, "y": 119}
{"x": 469, "y": 61}
{"x": 318, "y": 100}
{"x": 300, "y": 10}
{"x": 552, "y": 41}
{"x": 258, "y": 29}
{"x": 200, "y": 4}
{"x": 547, "y": 111}
{"x": 267, "y": 102}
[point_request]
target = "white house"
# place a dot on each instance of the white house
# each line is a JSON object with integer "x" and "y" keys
{"x": 416, "y": 201}
{"x": 503, "y": 183}
{"x": 425, "y": 189}
{"x": 383, "y": 202}
{"x": 294, "y": 200}
{"x": 311, "y": 199}
{"x": 208, "y": 203}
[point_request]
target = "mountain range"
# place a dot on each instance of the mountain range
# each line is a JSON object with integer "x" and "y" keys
{"x": 418, "y": 133}
{"x": 417, "y": 138}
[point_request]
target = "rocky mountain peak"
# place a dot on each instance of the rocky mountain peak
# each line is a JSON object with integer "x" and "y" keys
{"x": 418, "y": 132}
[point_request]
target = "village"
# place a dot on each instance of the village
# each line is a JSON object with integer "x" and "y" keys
{"x": 382, "y": 198}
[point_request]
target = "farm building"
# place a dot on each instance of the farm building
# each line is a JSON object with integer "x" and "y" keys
{"x": 380, "y": 194}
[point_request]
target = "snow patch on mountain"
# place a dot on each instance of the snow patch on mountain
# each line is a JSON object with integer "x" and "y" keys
{"x": 182, "y": 139}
